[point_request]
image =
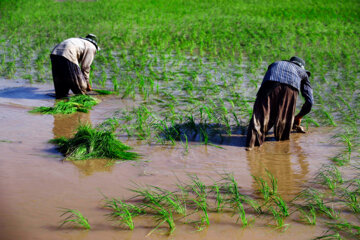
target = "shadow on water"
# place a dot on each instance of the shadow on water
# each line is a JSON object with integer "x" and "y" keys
{"x": 210, "y": 133}
{"x": 206, "y": 133}
{"x": 26, "y": 93}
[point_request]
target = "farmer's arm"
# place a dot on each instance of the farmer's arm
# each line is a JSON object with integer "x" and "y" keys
{"x": 85, "y": 66}
{"x": 307, "y": 93}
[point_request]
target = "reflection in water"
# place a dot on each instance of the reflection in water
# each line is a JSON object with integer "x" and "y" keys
{"x": 285, "y": 160}
{"x": 89, "y": 167}
{"x": 65, "y": 125}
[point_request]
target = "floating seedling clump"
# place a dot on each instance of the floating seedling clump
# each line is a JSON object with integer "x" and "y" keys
{"x": 90, "y": 143}
{"x": 77, "y": 103}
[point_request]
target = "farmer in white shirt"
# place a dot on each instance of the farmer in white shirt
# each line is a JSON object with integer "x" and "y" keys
{"x": 71, "y": 61}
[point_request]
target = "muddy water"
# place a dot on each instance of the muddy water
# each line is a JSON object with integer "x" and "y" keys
{"x": 35, "y": 182}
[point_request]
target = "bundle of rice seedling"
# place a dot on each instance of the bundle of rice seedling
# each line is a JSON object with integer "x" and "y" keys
{"x": 89, "y": 143}
{"x": 77, "y": 103}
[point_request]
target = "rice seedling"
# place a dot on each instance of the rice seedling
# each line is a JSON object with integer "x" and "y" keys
{"x": 266, "y": 190}
{"x": 10, "y": 69}
{"x": 199, "y": 189}
{"x": 77, "y": 103}
{"x": 341, "y": 230}
{"x": 315, "y": 199}
{"x": 104, "y": 91}
{"x": 202, "y": 205}
{"x": 331, "y": 177}
{"x": 186, "y": 144}
{"x": 279, "y": 218}
{"x": 215, "y": 188}
{"x": 352, "y": 200}
{"x": 75, "y": 217}
{"x": 110, "y": 124}
{"x": 122, "y": 212}
{"x": 334, "y": 236}
{"x": 347, "y": 140}
{"x": 282, "y": 206}
{"x": 152, "y": 201}
{"x": 89, "y": 143}
{"x": 235, "y": 199}
{"x": 345, "y": 228}
{"x": 341, "y": 159}
{"x": 161, "y": 215}
{"x": 350, "y": 195}
{"x": 308, "y": 217}
{"x": 172, "y": 200}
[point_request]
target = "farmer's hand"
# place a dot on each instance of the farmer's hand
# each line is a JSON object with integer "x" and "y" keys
{"x": 297, "y": 121}
{"x": 89, "y": 88}
{"x": 299, "y": 129}
{"x": 296, "y": 125}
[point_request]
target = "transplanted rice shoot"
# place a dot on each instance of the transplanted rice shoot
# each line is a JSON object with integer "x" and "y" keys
{"x": 123, "y": 212}
{"x": 89, "y": 142}
{"x": 159, "y": 206}
{"x": 75, "y": 217}
{"x": 103, "y": 91}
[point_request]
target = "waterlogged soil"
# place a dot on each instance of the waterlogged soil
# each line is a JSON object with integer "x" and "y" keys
{"x": 35, "y": 183}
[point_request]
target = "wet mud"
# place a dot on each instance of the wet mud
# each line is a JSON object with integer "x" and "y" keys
{"x": 35, "y": 182}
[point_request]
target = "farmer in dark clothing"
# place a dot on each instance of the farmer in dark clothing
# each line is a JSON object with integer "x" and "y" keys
{"x": 276, "y": 101}
{"x": 71, "y": 61}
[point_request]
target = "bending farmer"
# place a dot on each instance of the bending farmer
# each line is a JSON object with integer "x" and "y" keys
{"x": 275, "y": 103}
{"x": 71, "y": 61}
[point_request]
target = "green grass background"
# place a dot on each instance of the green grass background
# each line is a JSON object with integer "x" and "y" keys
{"x": 322, "y": 32}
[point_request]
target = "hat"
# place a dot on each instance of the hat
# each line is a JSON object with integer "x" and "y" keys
{"x": 93, "y": 39}
{"x": 298, "y": 61}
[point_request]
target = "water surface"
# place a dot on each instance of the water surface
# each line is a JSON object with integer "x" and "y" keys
{"x": 35, "y": 182}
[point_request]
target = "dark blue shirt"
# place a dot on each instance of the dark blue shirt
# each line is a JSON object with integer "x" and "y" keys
{"x": 290, "y": 73}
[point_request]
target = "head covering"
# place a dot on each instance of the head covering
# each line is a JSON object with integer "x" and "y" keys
{"x": 298, "y": 61}
{"x": 93, "y": 39}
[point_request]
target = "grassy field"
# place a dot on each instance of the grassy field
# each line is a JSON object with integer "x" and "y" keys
{"x": 194, "y": 67}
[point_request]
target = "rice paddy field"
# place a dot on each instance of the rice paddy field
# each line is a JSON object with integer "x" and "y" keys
{"x": 158, "y": 152}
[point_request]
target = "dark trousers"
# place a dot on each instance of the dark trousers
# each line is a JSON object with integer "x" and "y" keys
{"x": 67, "y": 75}
{"x": 274, "y": 106}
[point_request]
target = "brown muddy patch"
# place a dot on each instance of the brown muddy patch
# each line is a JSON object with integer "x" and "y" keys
{"x": 35, "y": 182}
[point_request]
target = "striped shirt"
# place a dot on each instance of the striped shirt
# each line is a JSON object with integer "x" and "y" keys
{"x": 291, "y": 74}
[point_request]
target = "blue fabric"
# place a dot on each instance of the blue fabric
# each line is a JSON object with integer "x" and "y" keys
{"x": 289, "y": 73}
